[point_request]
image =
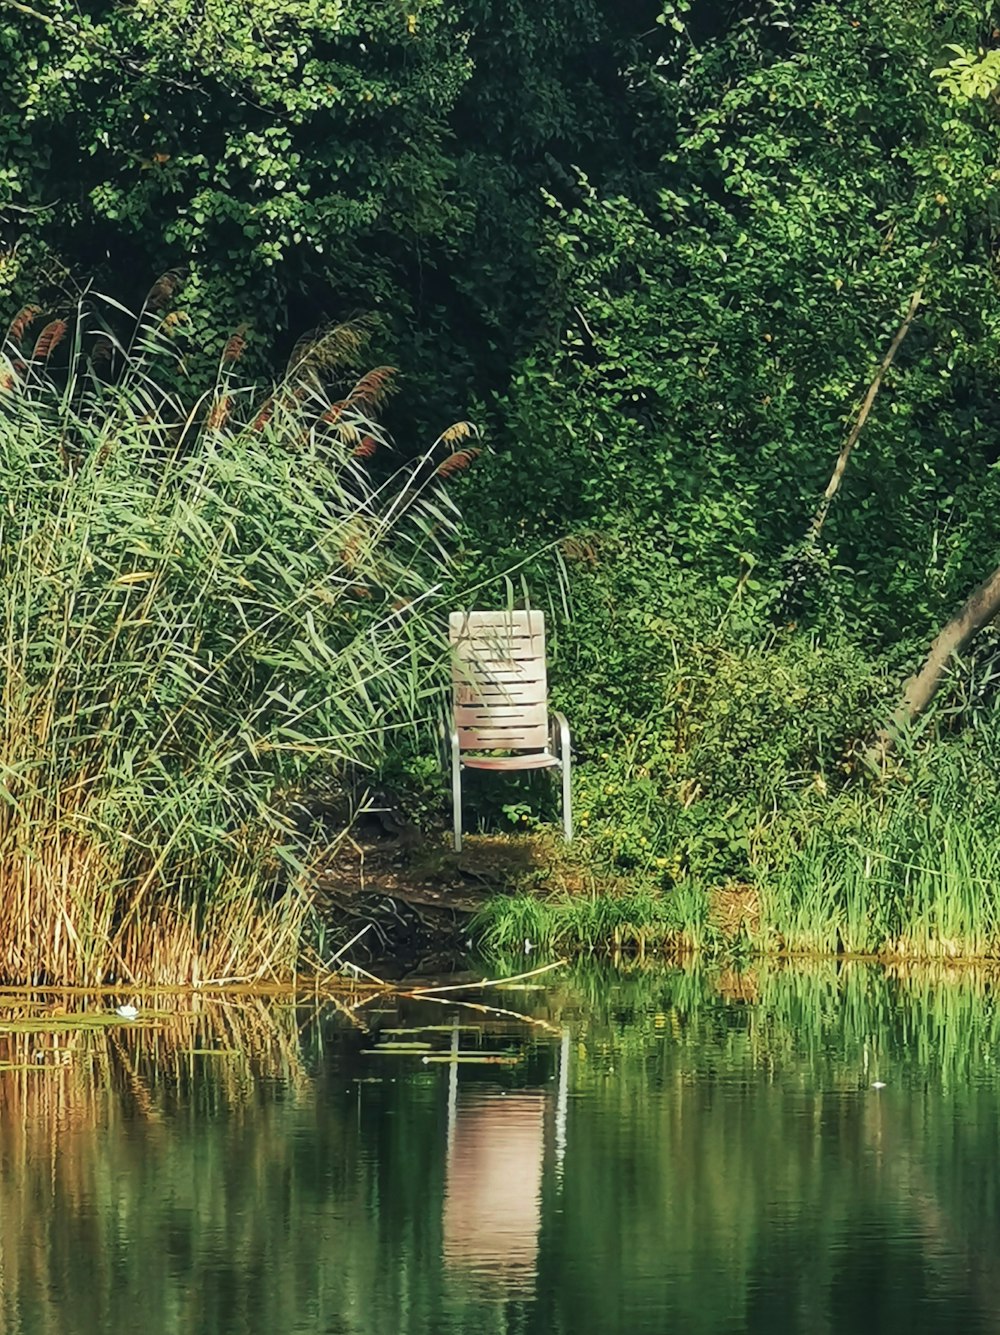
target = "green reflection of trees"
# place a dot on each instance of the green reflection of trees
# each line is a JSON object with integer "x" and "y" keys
{"x": 727, "y": 1167}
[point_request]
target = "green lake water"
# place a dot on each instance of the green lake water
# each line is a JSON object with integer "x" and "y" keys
{"x": 662, "y": 1151}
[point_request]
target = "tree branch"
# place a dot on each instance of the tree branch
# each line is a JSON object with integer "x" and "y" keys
{"x": 44, "y": 18}
{"x": 981, "y": 606}
{"x": 833, "y": 486}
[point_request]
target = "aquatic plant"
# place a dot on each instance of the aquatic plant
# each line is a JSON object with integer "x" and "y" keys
{"x": 206, "y": 604}
{"x": 916, "y": 876}
{"x": 635, "y": 921}
{"x": 905, "y": 868}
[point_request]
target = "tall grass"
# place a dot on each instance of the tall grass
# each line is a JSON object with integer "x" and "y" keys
{"x": 205, "y": 603}
{"x": 915, "y": 878}
{"x": 905, "y": 874}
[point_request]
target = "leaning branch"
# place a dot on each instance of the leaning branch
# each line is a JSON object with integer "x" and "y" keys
{"x": 52, "y": 20}
{"x": 93, "y": 39}
{"x": 487, "y": 982}
{"x": 981, "y": 606}
{"x": 833, "y": 486}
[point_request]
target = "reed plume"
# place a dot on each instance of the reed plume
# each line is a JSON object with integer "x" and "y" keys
{"x": 458, "y": 461}
{"x": 21, "y": 322}
{"x": 49, "y": 339}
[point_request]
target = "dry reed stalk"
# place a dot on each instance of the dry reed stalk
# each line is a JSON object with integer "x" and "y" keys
{"x": 489, "y": 982}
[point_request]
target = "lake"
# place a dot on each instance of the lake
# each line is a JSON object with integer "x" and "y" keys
{"x": 690, "y": 1149}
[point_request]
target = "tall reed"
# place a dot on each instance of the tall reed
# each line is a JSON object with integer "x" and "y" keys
{"x": 915, "y": 878}
{"x": 205, "y": 605}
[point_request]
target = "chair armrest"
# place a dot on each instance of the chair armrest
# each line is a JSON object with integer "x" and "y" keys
{"x": 559, "y": 727}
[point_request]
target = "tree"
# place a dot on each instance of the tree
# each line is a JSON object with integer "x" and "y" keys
{"x": 269, "y": 149}
{"x": 302, "y": 161}
{"x": 708, "y": 352}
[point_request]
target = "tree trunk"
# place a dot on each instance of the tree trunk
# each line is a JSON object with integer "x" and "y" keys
{"x": 981, "y": 606}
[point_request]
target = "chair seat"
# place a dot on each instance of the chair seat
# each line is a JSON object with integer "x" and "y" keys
{"x": 526, "y": 760}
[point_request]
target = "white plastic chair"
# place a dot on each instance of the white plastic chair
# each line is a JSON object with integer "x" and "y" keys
{"x": 500, "y": 703}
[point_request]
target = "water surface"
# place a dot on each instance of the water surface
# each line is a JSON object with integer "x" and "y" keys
{"x": 679, "y": 1150}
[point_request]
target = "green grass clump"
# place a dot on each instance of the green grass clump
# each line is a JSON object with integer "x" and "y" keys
{"x": 638, "y": 920}
{"x": 912, "y": 879}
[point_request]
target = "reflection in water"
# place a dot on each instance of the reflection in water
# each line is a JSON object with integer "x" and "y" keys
{"x": 562, "y": 1103}
{"x": 668, "y": 1154}
{"x": 493, "y": 1178}
{"x": 493, "y": 1185}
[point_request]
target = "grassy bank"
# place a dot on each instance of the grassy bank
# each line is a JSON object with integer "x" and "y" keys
{"x": 905, "y": 865}
{"x": 208, "y": 605}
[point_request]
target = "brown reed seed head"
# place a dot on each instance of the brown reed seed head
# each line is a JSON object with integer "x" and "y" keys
{"x": 219, "y": 413}
{"x": 456, "y": 462}
{"x": 264, "y": 416}
{"x": 162, "y": 291}
{"x": 235, "y": 347}
{"x": 49, "y": 339}
{"x": 26, "y": 316}
{"x": 373, "y": 388}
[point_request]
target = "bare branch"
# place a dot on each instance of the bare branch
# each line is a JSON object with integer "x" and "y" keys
{"x": 833, "y": 486}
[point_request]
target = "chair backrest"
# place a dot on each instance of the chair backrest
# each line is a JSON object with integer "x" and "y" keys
{"x": 498, "y": 675}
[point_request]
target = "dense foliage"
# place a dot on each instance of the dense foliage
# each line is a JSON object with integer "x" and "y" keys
{"x": 302, "y": 161}
{"x": 659, "y": 249}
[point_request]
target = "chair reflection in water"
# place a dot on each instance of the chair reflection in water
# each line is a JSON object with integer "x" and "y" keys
{"x": 493, "y": 1180}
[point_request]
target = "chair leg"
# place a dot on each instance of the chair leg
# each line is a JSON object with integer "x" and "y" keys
{"x": 456, "y": 790}
{"x": 565, "y": 763}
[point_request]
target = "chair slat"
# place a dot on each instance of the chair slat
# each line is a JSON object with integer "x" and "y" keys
{"x": 520, "y": 621}
{"x": 512, "y": 670}
{"x": 497, "y": 636}
{"x": 500, "y": 692}
{"x": 502, "y": 739}
{"x": 511, "y": 651}
{"x": 523, "y": 760}
{"x": 501, "y": 716}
